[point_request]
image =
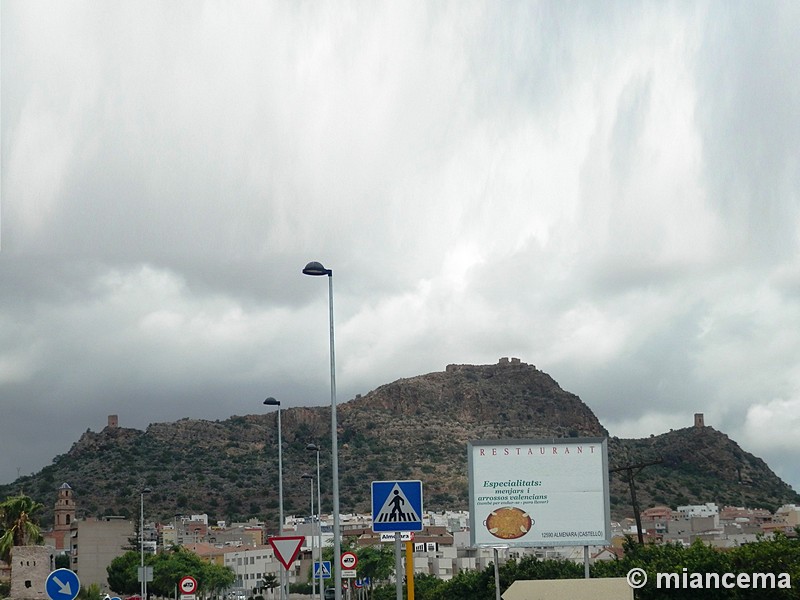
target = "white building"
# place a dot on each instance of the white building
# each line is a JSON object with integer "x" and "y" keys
{"x": 709, "y": 509}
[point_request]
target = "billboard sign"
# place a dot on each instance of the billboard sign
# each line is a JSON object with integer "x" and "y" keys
{"x": 550, "y": 492}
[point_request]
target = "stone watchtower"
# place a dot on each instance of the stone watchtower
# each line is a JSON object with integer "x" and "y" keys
{"x": 30, "y": 566}
{"x": 64, "y": 516}
{"x": 699, "y": 421}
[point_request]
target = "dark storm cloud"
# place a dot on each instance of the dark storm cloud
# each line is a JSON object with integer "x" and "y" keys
{"x": 607, "y": 192}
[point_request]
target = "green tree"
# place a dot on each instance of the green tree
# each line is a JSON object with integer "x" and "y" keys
{"x": 168, "y": 568}
{"x": 776, "y": 555}
{"x": 122, "y": 574}
{"x": 468, "y": 585}
{"x": 90, "y": 592}
{"x": 376, "y": 562}
{"x": 18, "y": 524}
{"x": 426, "y": 587}
{"x": 529, "y": 568}
{"x": 216, "y": 578}
{"x": 62, "y": 561}
{"x": 270, "y": 582}
{"x": 669, "y": 558}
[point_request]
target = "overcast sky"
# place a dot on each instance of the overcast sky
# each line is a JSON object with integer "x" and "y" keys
{"x": 607, "y": 190}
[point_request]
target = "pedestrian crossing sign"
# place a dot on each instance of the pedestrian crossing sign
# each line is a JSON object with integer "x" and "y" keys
{"x": 397, "y": 505}
{"x": 322, "y": 570}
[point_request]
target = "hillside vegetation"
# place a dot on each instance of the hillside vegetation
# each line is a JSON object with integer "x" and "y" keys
{"x": 415, "y": 428}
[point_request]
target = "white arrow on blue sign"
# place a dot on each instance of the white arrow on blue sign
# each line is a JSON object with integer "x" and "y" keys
{"x": 62, "y": 584}
{"x": 397, "y": 505}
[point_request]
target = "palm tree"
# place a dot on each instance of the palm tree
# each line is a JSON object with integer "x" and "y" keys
{"x": 270, "y": 582}
{"x": 18, "y": 525}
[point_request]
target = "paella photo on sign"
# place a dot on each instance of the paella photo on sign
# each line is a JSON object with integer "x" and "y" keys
{"x": 508, "y": 523}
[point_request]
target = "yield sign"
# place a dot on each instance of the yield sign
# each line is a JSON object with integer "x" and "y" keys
{"x": 287, "y": 548}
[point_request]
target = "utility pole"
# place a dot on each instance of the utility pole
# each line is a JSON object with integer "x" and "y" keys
{"x": 632, "y": 471}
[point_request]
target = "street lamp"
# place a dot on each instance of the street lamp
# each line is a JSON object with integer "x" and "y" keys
{"x": 315, "y": 448}
{"x": 143, "y": 583}
{"x": 316, "y": 269}
{"x": 273, "y": 402}
{"x": 311, "y": 478}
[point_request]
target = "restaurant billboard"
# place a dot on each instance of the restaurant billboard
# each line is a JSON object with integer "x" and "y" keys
{"x": 547, "y": 492}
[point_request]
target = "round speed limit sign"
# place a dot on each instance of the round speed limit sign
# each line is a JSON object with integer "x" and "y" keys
{"x": 349, "y": 560}
{"x": 188, "y": 585}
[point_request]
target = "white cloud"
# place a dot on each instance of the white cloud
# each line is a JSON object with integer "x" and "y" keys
{"x": 653, "y": 423}
{"x": 774, "y": 425}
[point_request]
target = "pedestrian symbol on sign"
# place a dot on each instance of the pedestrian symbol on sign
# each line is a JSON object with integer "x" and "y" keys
{"x": 397, "y": 508}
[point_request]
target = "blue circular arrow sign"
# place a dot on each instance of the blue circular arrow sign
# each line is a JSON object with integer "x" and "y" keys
{"x": 62, "y": 584}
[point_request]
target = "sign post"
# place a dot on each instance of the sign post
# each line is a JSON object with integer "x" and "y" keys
{"x": 409, "y": 569}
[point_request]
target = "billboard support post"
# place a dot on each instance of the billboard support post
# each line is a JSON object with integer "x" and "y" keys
{"x": 586, "y": 562}
{"x": 496, "y": 575}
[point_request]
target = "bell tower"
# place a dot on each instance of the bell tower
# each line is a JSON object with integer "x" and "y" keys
{"x": 64, "y": 516}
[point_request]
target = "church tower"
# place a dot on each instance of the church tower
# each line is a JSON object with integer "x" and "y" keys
{"x": 64, "y": 516}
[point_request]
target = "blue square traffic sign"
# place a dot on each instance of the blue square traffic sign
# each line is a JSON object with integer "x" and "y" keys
{"x": 322, "y": 571}
{"x": 397, "y": 505}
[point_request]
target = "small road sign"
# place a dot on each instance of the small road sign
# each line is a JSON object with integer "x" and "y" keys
{"x": 349, "y": 573}
{"x": 287, "y": 548}
{"x": 349, "y": 560}
{"x": 188, "y": 585}
{"x": 405, "y": 536}
{"x": 397, "y": 506}
{"x": 323, "y": 572}
{"x": 62, "y": 584}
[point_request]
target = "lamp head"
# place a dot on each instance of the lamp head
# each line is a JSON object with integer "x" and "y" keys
{"x": 316, "y": 268}
{"x": 312, "y": 447}
{"x": 272, "y": 402}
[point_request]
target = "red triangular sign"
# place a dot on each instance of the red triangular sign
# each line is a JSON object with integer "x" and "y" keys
{"x": 287, "y": 548}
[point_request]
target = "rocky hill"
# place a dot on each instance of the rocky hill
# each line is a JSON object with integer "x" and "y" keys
{"x": 415, "y": 428}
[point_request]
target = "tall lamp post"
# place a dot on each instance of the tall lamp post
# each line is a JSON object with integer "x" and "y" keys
{"x": 315, "y": 448}
{"x": 311, "y": 478}
{"x": 143, "y": 575}
{"x": 273, "y": 402}
{"x": 316, "y": 269}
